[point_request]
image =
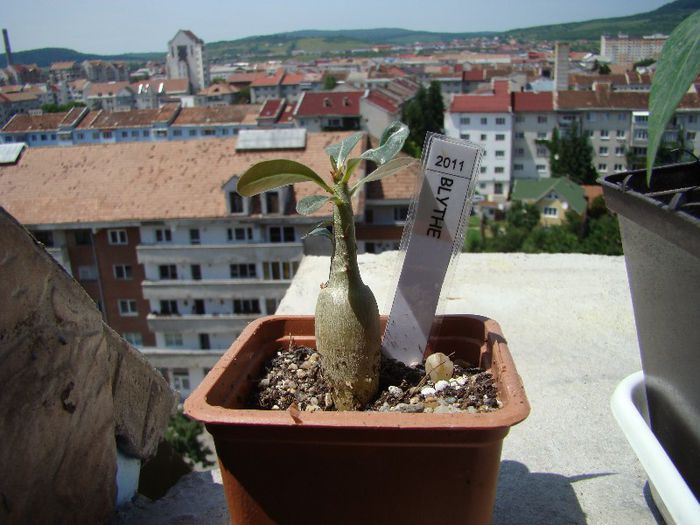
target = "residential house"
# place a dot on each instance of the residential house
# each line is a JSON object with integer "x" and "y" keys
{"x": 103, "y": 71}
{"x": 219, "y": 94}
{"x": 17, "y": 102}
{"x": 110, "y": 96}
{"x": 267, "y": 85}
{"x": 381, "y": 106}
{"x": 329, "y": 110}
{"x": 554, "y": 197}
{"x": 64, "y": 72}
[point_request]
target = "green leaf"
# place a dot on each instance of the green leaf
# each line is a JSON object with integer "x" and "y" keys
{"x": 321, "y": 229}
{"x": 390, "y": 168}
{"x": 390, "y": 144}
{"x": 311, "y": 203}
{"x": 271, "y": 174}
{"x": 676, "y": 69}
{"x": 352, "y": 164}
{"x": 339, "y": 152}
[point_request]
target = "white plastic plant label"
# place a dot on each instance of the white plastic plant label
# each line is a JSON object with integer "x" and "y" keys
{"x": 449, "y": 172}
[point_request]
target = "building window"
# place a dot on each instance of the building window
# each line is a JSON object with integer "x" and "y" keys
{"x": 281, "y": 234}
{"x": 243, "y": 271}
{"x": 619, "y": 167}
{"x": 500, "y": 136}
{"x": 173, "y": 339}
{"x": 482, "y": 169}
{"x": 134, "y": 133}
{"x": 464, "y": 121}
{"x": 240, "y": 234}
{"x": 83, "y": 237}
{"x": 690, "y": 135}
{"x": 80, "y": 136}
{"x": 500, "y": 154}
{"x": 134, "y": 338}
{"x": 196, "y": 272}
{"x": 106, "y": 134}
{"x": 520, "y": 152}
{"x": 193, "y": 132}
{"x": 122, "y": 271}
{"x": 550, "y": 212}
{"x": 620, "y": 151}
{"x": 164, "y": 235}
{"x": 641, "y": 119}
{"x": 246, "y": 306}
{"x": 208, "y": 132}
{"x": 541, "y": 151}
{"x": 498, "y": 188}
{"x": 541, "y": 119}
{"x": 272, "y": 201}
{"x": 519, "y": 134}
{"x": 194, "y": 236}
{"x": 177, "y": 133}
{"x": 641, "y": 134}
{"x": 181, "y": 379}
{"x": 44, "y": 237}
{"x": 518, "y": 167}
{"x": 87, "y": 273}
{"x": 400, "y": 213}
{"x": 500, "y": 121}
{"x": 204, "y": 342}
{"x": 160, "y": 133}
{"x": 603, "y": 150}
{"x": 604, "y": 134}
{"x": 124, "y": 134}
{"x": 127, "y": 308}
{"x": 167, "y": 271}
{"x": 464, "y": 136}
{"x": 235, "y": 202}
{"x": 541, "y": 168}
{"x": 270, "y": 306}
{"x": 602, "y": 167}
{"x": 168, "y": 307}
{"x": 146, "y": 133}
{"x": 279, "y": 270}
{"x": 499, "y": 169}
{"x": 117, "y": 237}
{"x": 541, "y": 135}
{"x": 484, "y": 121}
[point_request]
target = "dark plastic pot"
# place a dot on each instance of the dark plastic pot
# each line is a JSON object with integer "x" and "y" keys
{"x": 357, "y": 467}
{"x": 660, "y": 228}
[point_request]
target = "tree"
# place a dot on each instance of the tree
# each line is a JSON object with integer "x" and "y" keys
{"x": 329, "y": 82}
{"x": 425, "y": 113}
{"x": 183, "y": 435}
{"x": 603, "y": 236}
{"x": 244, "y": 95}
{"x": 57, "y": 108}
{"x": 522, "y": 215}
{"x": 571, "y": 156}
{"x": 550, "y": 239}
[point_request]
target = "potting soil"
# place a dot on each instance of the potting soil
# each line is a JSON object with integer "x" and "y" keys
{"x": 294, "y": 378}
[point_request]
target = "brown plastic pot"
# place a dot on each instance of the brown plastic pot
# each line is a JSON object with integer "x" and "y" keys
{"x": 357, "y": 467}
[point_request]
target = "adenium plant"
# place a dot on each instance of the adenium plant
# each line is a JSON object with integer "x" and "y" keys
{"x": 347, "y": 328}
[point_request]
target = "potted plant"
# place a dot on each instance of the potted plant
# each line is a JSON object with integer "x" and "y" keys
{"x": 660, "y": 225}
{"x": 351, "y": 466}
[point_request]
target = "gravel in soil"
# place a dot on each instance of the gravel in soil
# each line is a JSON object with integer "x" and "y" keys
{"x": 294, "y": 377}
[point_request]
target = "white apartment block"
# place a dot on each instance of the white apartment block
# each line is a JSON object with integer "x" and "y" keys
{"x": 187, "y": 59}
{"x": 626, "y": 50}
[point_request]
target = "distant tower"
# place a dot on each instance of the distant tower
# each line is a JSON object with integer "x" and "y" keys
{"x": 186, "y": 59}
{"x": 561, "y": 66}
{"x": 8, "y": 50}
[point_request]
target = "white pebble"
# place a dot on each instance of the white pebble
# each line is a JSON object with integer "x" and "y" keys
{"x": 427, "y": 391}
{"x": 441, "y": 385}
{"x": 462, "y": 380}
{"x": 395, "y": 390}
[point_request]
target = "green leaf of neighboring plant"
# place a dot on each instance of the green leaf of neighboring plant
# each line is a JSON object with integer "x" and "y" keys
{"x": 321, "y": 229}
{"x": 676, "y": 69}
{"x": 390, "y": 168}
{"x": 390, "y": 144}
{"x": 339, "y": 152}
{"x": 352, "y": 164}
{"x": 271, "y": 174}
{"x": 311, "y": 203}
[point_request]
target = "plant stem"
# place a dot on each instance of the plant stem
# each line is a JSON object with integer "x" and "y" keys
{"x": 344, "y": 268}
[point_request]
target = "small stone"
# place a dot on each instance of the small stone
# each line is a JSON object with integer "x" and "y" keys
{"x": 438, "y": 366}
{"x": 275, "y": 407}
{"x": 471, "y": 409}
{"x": 328, "y": 400}
{"x": 427, "y": 391}
{"x": 414, "y": 400}
{"x": 301, "y": 374}
{"x": 441, "y": 385}
{"x": 293, "y": 367}
{"x": 395, "y": 391}
{"x": 443, "y": 409}
{"x": 264, "y": 383}
{"x": 462, "y": 380}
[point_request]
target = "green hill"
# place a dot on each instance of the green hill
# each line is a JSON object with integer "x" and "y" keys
{"x": 318, "y": 43}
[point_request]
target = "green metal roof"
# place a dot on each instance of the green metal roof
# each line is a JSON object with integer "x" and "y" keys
{"x": 535, "y": 190}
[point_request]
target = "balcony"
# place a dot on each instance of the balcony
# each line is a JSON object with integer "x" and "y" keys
{"x": 167, "y": 253}
{"x": 200, "y": 323}
{"x": 60, "y": 253}
{"x": 213, "y": 288}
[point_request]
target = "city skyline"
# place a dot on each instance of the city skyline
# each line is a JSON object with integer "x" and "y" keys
{"x": 150, "y": 25}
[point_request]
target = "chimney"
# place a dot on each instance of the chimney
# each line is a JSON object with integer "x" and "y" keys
{"x": 8, "y": 51}
{"x": 561, "y": 66}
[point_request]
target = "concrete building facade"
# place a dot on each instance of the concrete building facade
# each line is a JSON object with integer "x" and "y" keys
{"x": 187, "y": 59}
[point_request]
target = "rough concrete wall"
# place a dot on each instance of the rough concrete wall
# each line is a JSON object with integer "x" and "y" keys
{"x": 69, "y": 386}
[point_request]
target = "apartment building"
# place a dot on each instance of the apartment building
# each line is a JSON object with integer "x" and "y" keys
{"x": 626, "y": 50}
{"x": 169, "y": 122}
{"x": 533, "y": 122}
{"x": 178, "y": 262}
{"x": 487, "y": 119}
{"x": 187, "y": 59}
{"x": 328, "y": 110}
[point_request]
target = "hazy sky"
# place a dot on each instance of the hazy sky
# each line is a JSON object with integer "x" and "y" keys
{"x": 117, "y": 26}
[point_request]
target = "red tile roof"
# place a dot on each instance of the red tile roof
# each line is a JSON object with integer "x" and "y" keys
{"x": 106, "y": 88}
{"x": 59, "y": 66}
{"x": 218, "y": 89}
{"x": 203, "y": 116}
{"x": 473, "y": 75}
{"x": 22, "y": 122}
{"x": 384, "y": 102}
{"x": 344, "y": 103}
{"x": 292, "y": 79}
{"x": 532, "y": 102}
{"x": 491, "y": 103}
{"x": 273, "y": 79}
{"x": 243, "y": 78}
{"x": 272, "y": 108}
{"x": 162, "y": 85}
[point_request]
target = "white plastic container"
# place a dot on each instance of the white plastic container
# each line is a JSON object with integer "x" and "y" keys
{"x": 672, "y": 496}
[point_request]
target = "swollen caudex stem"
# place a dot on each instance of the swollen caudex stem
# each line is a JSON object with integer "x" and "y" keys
{"x": 347, "y": 318}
